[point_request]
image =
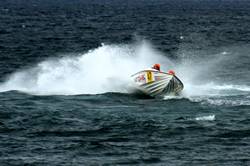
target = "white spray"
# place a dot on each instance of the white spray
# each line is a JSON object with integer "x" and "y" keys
{"x": 104, "y": 69}
{"x": 108, "y": 69}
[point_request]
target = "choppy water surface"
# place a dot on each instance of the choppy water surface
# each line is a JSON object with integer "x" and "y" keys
{"x": 66, "y": 96}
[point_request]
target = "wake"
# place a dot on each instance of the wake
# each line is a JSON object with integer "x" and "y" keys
{"x": 108, "y": 69}
{"x": 104, "y": 69}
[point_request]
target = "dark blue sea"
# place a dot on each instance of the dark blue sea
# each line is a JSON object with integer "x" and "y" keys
{"x": 66, "y": 96}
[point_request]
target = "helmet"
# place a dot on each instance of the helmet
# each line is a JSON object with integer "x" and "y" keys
{"x": 171, "y": 72}
{"x": 157, "y": 66}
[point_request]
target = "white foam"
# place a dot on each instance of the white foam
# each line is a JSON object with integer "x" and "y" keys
{"x": 219, "y": 101}
{"x": 104, "y": 69}
{"x": 108, "y": 69}
{"x": 169, "y": 97}
{"x": 212, "y": 89}
{"x": 232, "y": 87}
{"x": 205, "y": 118}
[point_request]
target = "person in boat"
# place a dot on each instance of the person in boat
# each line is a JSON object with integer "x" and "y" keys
{"x": 157, "y": 67}
{"x": 171, "y": 72}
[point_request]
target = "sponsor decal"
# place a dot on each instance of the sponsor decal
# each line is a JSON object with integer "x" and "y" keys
{"x": 140, "y": 78}
{"x": 149, "y": 76}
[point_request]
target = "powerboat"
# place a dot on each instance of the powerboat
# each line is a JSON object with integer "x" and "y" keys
{"x": 156, "y": 83}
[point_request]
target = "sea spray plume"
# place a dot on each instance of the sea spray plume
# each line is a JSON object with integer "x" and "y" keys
{"x": 108, "y": 69}
{"x": 207, "y": 75}
{"x": 199, "y": 70}
{"x": 204, "y": 69}
{"x": 105, "y": 69}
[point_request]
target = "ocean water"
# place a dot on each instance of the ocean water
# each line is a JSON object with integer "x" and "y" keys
{"x": 66, "y": 96}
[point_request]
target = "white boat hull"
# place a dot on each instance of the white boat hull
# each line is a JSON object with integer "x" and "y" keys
{"x": 155, "y": 83}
